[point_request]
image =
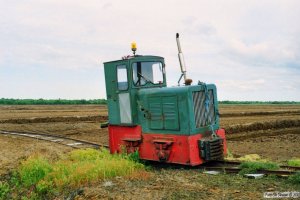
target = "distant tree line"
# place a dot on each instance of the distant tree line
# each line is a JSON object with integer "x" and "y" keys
{"x": 4, "y": 101}
{"x": 259, "y": 102}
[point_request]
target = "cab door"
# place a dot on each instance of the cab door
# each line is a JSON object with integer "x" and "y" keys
{"x": 124, "y": 101}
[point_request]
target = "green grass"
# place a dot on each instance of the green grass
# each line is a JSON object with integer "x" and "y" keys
{"x": 4, "y": 190}
{"x": 295, "y": 179}
{"x": 77, "y": 169}
{"x": 252, "y": 167}
{"x": 85, "y": 166}
{"x": 294, "y": 162}
{"x": 33, "y": 170}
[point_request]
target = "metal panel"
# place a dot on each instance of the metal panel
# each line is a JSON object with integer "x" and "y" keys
{"x": 164, "y": 113}
{"x": 156, "y": 113}
{"x": 199, "y": 109}
{"x": 125, "y": 108}
{"x": 170, "y": 113}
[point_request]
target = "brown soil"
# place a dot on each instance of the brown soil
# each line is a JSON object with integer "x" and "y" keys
{"x": 15, "y": 149}
{"x": 95, "y": 118}
{"x": 183, "y": 184}
{"x": 243, "y": 114}
{"x": 273, "y": 135}
{"x": 89, "y": 131}
{"x": 231, "y": 121}
{"x": 256, "y": 126}
{"x": 275, "y": 145}
{"x": 225, "y": 109}
{"x": 83, "y": 122}
{"x": 31, "y": 111}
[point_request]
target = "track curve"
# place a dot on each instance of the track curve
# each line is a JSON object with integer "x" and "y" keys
{"x": 58, "y": 139}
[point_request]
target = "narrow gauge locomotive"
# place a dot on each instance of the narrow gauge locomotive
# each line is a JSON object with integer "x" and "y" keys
{"x": 167, "y": 124}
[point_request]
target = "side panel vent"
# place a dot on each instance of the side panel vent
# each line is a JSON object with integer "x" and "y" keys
{"x": 170, "y": 113}
{"x": 155, "y": 109}
{"x": 199, "y": 108}
{"x": 164, "y": 113}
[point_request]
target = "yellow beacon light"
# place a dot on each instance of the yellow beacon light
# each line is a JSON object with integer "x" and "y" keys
{"x": 133, "y": 47}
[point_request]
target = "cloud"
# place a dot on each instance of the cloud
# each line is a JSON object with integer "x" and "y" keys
{"x": 245, "y": 85}
{"x": 193, "y": 25}
{"x": 263, "y": 53}
{"x": 243, "y": 47}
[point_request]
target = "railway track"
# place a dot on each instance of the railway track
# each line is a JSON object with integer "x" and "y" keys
{"x": 233, "y": 167}
{"x": 228, "y": 167}
{"x": 237, "y": 163}
{"x": 220, "y": 166}
{"x": 58, "y": 139}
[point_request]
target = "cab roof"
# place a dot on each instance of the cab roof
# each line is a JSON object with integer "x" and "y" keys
{"x": 144, "y": 57}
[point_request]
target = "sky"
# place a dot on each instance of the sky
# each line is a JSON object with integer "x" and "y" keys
{"x": 56, "y": 48}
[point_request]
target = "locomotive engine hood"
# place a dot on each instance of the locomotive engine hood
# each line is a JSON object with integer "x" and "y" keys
{"x": 184, "y": 110}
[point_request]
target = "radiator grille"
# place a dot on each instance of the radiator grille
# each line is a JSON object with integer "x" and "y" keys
{"x": 169, "y": 110}
{"x": 155, "y": 110}
{"x": 164, "y": 113}
{"x": 199, "y": 108}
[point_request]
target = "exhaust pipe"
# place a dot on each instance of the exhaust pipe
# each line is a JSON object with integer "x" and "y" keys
{"x": 182, "y": 63}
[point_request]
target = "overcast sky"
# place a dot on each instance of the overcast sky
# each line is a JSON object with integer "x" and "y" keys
{"x": 56, "y": 49}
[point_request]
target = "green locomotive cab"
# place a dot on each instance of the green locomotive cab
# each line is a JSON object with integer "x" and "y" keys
{"x": 124, "y": 78}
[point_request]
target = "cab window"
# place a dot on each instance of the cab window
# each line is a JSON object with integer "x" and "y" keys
{"x": 147, "y": 73}
{"x": 122, "y": 77}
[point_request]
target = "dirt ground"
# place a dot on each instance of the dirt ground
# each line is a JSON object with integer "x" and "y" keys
{"x": 83, "y": 122}
{"x": 15, "y": 149}
{"x": 31, "y": 111}
{"x": 274, "y": 145}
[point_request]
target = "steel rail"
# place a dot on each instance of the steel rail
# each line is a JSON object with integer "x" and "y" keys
{"x": 296, "y": 168}
{"x": 58, "y": 139}
{"x": 236, "y": 170}
{"x": 234, "y": 167}
{"x": 237, "y": 163}
{"x": 230, "y": 167}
